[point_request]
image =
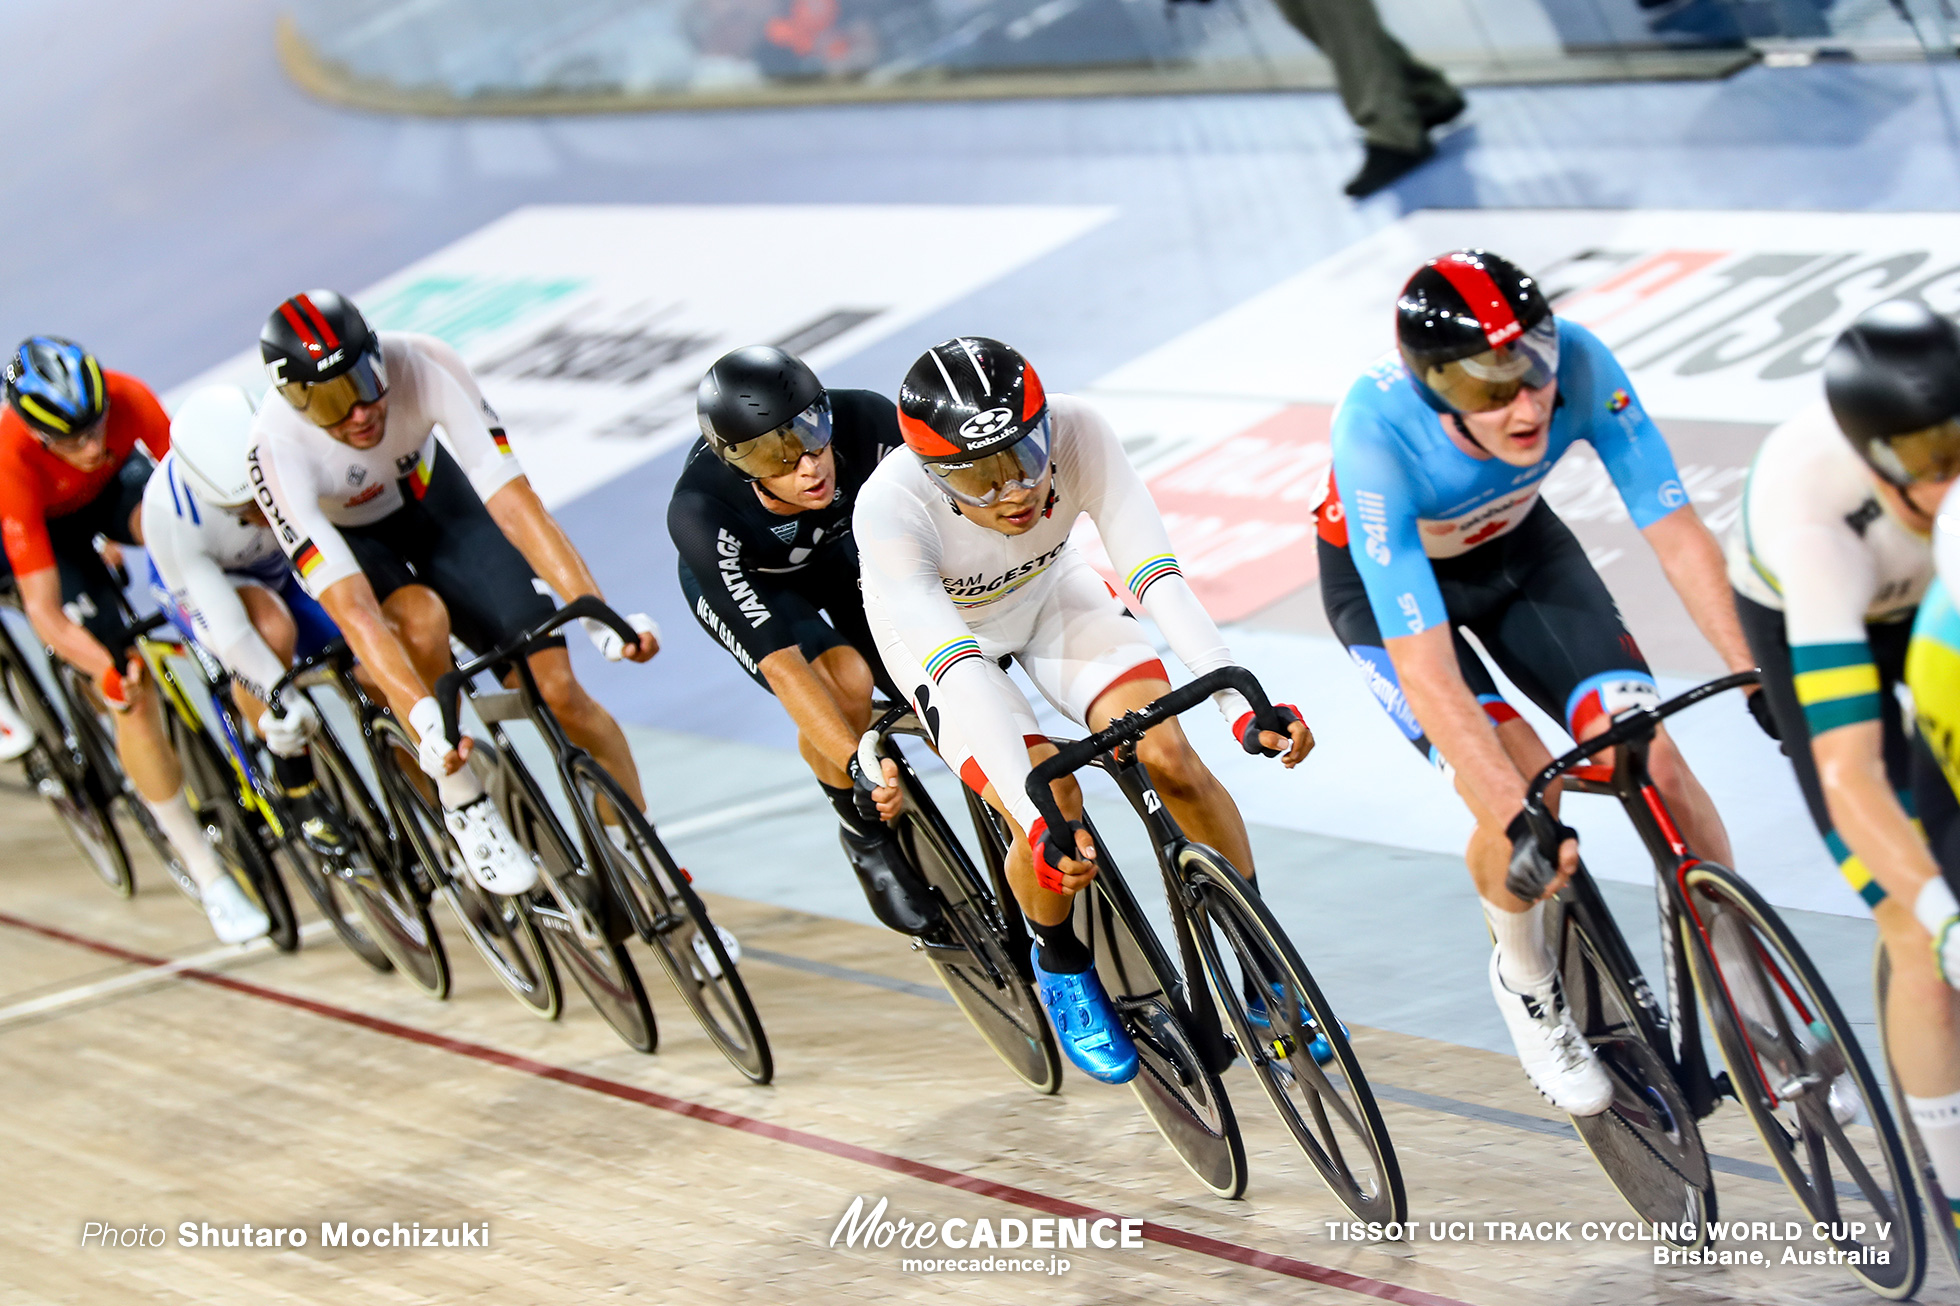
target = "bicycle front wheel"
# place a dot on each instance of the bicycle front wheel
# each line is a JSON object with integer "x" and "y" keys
{"x": 676, "y": 923}
{"x": 1796, "y": 1067}
{"x": 1932, "y": 1194}
{"x": 498, "y": 926}
{"x": 77, "y": 798}
{"x": 1324, "y": 1101}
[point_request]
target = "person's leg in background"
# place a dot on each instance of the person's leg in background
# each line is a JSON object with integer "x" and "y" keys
{"x": 1392, "y": 96}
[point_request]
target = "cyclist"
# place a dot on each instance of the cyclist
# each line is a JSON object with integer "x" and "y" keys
{"x": 964, "y": 540}
{"x": 1432, "y": 523}
{"x": 70, "y": 471}
{"x": 218, "y": 570}
{"x": 404, "y": 541}
{"x": 761, "y": 518}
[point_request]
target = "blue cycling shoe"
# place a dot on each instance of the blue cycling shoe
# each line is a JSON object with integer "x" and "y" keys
{"x": 1086, "y": 1024}
{"x": 1320, "y": 1049}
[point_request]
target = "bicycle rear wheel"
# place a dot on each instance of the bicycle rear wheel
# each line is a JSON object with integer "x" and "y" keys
{"x": 677, "y": 924}
{"x": 77, "y": 797}
{"x": 233, "y": 829}
{"x": 586, "y": 940}
{"x": 990, "y": 985}
{"x": 1796, "y": 1066}
{"x": 381, "y": 889}
{"x": 1647, "y": 1141}
{"x": 1329, "y": 1109}
{"x": 1180, "y": 1093}
{"x": 497, "y": 926}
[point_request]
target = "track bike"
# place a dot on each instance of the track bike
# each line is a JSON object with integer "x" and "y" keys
{"x": 614, "y": 880}
{"x": 1793, "y": 1060}
{"x": 1229, "y": 944}
{"x": 980, "y": 948}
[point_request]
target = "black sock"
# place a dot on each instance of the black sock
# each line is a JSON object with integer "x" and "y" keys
{"x": 845, "y": 801}
{"x": 293, "y": 773}
{"x": 1061, "y": 952}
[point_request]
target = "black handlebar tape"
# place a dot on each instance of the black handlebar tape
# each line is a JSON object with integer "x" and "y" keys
{"x": 1634, "y": 725}
{"x": 450, "y": 687}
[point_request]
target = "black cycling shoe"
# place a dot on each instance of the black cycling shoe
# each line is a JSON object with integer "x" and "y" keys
{"x": 1383, "y": 166}
{"x": 319, "y": 831}
{"x": 1448, "y": 111}
{"x": 897, "y": 896}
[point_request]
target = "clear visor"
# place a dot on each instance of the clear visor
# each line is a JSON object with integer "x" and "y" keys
{"x": 1484, "y": 382}
{"x": 777, "y": 452}
{"x": 327, "y": 403}
{"x": 1017, "y": 468}
{"x": 1932, "y": 454}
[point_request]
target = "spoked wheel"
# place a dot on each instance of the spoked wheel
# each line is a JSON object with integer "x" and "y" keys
{"x": 62, "y": 777}
{"x": 1647, "y": 1141}
{"x": 991, "y": 985}
{"x": 586, "y": 938}
{"x": 1796, "y": 1066}
{"x": 1324, "y": 1100}
{"x": 498, "y": 926}
{"x": 1178, "y": 1090}
{"x": 379, "y": 886}
{"x": 332, "y": 899}
{"x": 1932, "y": 1194}
{"x": 680, "y": 932}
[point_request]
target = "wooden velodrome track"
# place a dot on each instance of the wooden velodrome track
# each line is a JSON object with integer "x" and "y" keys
{"x": 287, "y": 1091}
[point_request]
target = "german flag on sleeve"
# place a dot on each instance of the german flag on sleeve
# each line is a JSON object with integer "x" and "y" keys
{"x": 306, "y": 559}
{"x": 503, "y": 441}
{"x": 418, "y": 480}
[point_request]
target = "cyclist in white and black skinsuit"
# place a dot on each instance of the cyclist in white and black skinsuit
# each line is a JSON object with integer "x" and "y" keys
{"x": 761, "y": 518}
{"x": 403, "y": 541}
{"x": 963, "y": 540}
{"x": 218, "y": 571}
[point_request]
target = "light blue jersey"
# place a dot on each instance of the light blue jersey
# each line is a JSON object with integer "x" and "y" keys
{"x": 1408, "y": 493}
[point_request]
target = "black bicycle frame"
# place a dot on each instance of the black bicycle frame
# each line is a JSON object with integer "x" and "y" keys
{"x": 1675, "y": 1028}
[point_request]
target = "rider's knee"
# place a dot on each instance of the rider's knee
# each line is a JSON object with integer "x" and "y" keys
{"x": 1175, "y": 767}
{"x": 560, "y": 689}
{"x": 418, "y": 617}
{"x": 847, "y": 675}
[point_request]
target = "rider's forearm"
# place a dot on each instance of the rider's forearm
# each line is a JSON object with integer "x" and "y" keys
{"x": 1455, "y": 721}
{"x": 521, "y": 515}
{"x": 351, "y": 604}
{"x": 1866, "y": 812}
{"x": 1692, "y": 559}
{"x": 810, "y": 705}
{"x": 40, "y": 596}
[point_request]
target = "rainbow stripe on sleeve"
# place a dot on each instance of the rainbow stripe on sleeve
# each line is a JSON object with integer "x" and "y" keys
{"x": 950, "y": 654}
{"x": 1836, "y": 683}
{"x": 1150, "y": 571}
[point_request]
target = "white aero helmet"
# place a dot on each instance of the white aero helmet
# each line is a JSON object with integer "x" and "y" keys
{"x": 209, "y": 435}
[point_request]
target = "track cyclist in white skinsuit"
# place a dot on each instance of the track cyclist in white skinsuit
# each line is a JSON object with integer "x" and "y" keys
{"x": 404, "y": 541}
{"x": 964, "y": 552}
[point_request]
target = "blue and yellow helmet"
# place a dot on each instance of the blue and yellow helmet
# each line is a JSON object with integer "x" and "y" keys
{"x": 56, "y": 386}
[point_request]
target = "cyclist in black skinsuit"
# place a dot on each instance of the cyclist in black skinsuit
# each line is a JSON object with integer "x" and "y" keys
{"x": 761, "y": 516}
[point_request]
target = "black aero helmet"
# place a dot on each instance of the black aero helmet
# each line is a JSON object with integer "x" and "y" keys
{"x": 1474, "y": 330}
{"x": 761, "y": 410}
{"x": 976, "y": 414}
{"x": 323, "y": 356}
{"x": 56, "y": 387}
{"x": 1893, "y": 382}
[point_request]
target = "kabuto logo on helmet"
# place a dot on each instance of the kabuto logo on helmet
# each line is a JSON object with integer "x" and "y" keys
{"x": 981, "y": 427}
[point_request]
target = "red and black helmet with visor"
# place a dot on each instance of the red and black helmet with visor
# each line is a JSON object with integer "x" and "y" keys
{"x": 1474, "y": 330}
{"x": 322, "y": 356}
{"x": 976, "y": 414}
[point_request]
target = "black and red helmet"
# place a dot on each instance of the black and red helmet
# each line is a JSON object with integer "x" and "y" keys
{"x": 323, "y": 356}
{"x": 1474, "y": 329}
{"x": 975, "y": 413}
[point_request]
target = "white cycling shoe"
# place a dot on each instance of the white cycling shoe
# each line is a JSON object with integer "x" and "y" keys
{"x": 1557, "y": 1058}
{"x": 709, "y": 965}
{"x": 495, "y": 860}
{"x": 15, "y": 735}
{"x": 235, "y": 918}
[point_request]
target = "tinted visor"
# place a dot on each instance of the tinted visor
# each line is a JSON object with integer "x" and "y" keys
{"x": 1484, "y": 382}
{"x": 1020, "y": 466}
{"x": 777, "y": 452}
{"x": 1932, "y": 454}
{"x": 327, "y": 403}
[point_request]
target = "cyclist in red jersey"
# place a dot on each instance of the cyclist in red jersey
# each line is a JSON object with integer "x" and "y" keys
{"x": 71, "y": 470}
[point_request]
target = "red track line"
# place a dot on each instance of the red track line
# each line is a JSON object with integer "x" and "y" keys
{"x": 1195, "y": 1242}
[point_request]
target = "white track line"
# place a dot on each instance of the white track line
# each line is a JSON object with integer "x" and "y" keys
{"x": 146, "y": 976}
{"x": 783, "y": 800}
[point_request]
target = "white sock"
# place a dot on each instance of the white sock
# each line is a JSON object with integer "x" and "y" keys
{"x": 1523, "y": 961}
{"x": 187, "y": 837}
{"x": 1938, "y": 1121}
{"x": 459, "y": 789}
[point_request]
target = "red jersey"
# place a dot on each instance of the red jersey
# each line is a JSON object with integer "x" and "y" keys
{"x": 35, "y": 485}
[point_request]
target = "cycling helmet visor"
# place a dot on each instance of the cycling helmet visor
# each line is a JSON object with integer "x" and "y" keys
{"x": 327, "y": 403}
{"x": 1491, "y": 380}
{"x": 1931, "y": 454}
{"x": 981, "y": 483}
{"x": 777, "y": 452}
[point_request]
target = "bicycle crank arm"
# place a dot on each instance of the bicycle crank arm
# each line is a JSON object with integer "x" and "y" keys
{"x": 574, "y": 913}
